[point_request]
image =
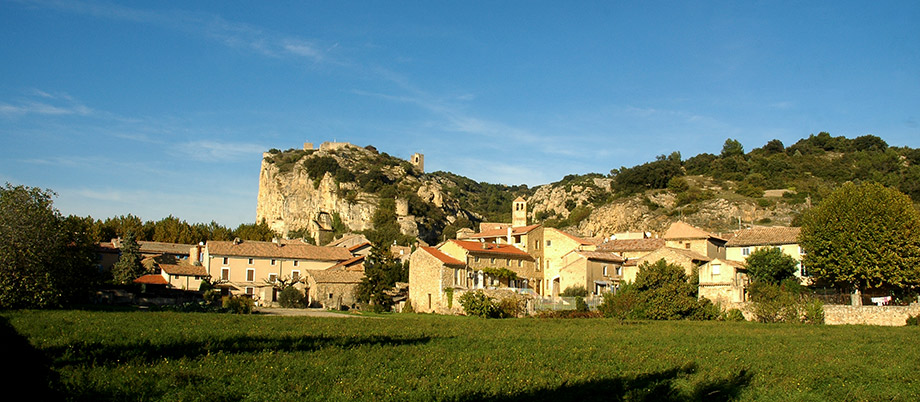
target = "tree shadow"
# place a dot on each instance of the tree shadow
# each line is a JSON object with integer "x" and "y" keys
{"x": 657, "y": 386}
{"x": 95, "y": 353}
{"x": 31, "y": 370}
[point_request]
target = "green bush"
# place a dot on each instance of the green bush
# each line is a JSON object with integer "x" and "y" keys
{"x": 913, "y": 320}
{"x": 510, "y": 307}
{"x": 580, "y": 304}
{"x": 238, "y": 304}
{"x": 575, "y": 291}
{"x": 622, "y": 305}
{"x": 732, "y": 315}
{"x": 407, "y": 308}
{"x": 212, "y": 297}
{"x": 478, "y": 304}
{"x": 292, "y": 297}
{"x": 814, "y": 312}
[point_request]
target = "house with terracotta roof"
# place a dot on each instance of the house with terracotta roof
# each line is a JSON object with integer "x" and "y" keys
{"x": 333, "y": 288}
{"x": 597, "y": 272}
{"x": 746, "y": 241}
{"x": 433, "y": 277}
{"x": 485, "y": 259}
{"x": 253, "y": 267}
{"x": 686, "y": 236}
{"x": 723, "y": 281}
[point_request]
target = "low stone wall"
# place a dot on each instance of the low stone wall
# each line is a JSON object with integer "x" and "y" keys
{"x": 869, "y": 315}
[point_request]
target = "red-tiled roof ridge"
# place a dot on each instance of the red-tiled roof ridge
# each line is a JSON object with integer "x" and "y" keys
{"x": 576, "y": 238}
{"x": 444, "y": 258}
{"x": 764, "y": 236}
{"x": 303, "y": 251}
{"x": 152, "y": 279}
{"x": 357, "y": 246}
{"x": 683, "y": 230}
{"x": 515, "y": 230}
{"x": 183, "y": 269}
{"x": 490, "y": 248}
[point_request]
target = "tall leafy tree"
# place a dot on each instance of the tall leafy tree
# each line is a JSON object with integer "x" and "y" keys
{"x": 129, "y": 267}
{"x": 770, "y": 265}
{"x": 863, "y": 236}
{"x": 381, "y": 272}
{"x": 43, "y": 259}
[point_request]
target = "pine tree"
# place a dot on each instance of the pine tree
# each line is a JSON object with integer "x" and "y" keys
{"x": 128, "y": 268}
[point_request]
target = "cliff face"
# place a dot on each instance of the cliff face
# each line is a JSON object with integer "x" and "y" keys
{"x": 289, "y": 201}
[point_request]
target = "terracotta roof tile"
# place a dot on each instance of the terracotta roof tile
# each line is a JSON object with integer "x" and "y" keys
{"x": 444, "y": 258}
{"x": 517, "y": 230}
{"x": 693, "y": 255}
{"x": 183, "y": 269}
{"x": 271, "y": 250}
{"x": 475, "y": 247}
{"x": 357, "y": 261}
{"x": 580, "y": 241}
{"x": 632, "y": 245}
{"x": 335, "y": 276}
{"x": 682, "y": 230}
{"x": 601, "y": 256}
{"x": 156, "y": 247}
{"x": 770, "y": 236}
{"x": 152, "y": 279}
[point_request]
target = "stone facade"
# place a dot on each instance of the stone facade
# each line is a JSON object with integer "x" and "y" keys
{"x": 869, "y": 315}
{"x": 431, "y": 274}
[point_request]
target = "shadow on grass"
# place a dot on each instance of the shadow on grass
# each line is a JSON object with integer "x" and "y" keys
{"x": 95, "y": 353}
{"x": 658, "y": 386}
{"x": 30, "y": 369}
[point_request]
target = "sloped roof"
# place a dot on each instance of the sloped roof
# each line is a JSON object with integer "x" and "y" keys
{"x": 358, "y": 246}
{"x": 335, "y": 276}
{"x": 580, "y": 241}
{"x": 266, "y": 249}
{"x": 632, "y": 245}
{"x": 770, "y": 236}
{"x": 475, "y": 247}
{"x": 349, "y": 264}
{"x": 517, "y": 230}
{"x": 693, "y": 255}
{"x": 151, "y": 247}
{"x": 682, "y": 230}
{"x": 444, "y": 258}
{"x": 519, "y": 199}
{"x": 353, "y": 238}
{"x": 183, "y": 269}
{"x": 601, "y": 256}
{"x": 152, "y": 279}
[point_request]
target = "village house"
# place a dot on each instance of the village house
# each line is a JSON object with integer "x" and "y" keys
{"x": 253, "y": 268}
{"x": 433, "y": 276}
{"x": 597, "y": 272}
{"x": 685, "y": 236}
{"x": 332, "y": 288}
{"x": 488, "y": 260}
{"x": 632, "y": 248}
{"x": 723, "y": 282}
{"x": 747, "y": 241}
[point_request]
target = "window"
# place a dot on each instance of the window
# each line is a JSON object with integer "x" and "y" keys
{"x": 476, "y": 258}
{"x": 687, "y": 246}
{"x": 549, "y": 243}
{"x": 330, "y": 295}
{"x": 801, "y": 250}
{"x": 716, "y": 268}
{"x": 619, "y": 270}
{"x": 226, "y": 260}
{"x": 295, "y": 275}
{"x": 746, "y": 251}
{"x": 492, "y": 260}
{"x": 272, "y": 278}
{"x": 296, "y": 262}
{"x": 605, "y": 270}
{"x": 273, "y": 262}
{"x": 249, "y": 290}
{"x": 250, "y": 261}
{"x": 250, "y": 275}
{"x": 225, "y": 274}
{"x": 508, "y": 262}
{"x": 520, "y": 263}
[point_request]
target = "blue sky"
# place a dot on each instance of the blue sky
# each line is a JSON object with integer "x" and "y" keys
{"x": 159, "y": 108}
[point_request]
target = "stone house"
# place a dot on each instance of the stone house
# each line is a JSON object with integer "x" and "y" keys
{"x": 483, "y": 257}
{"x": 332, "y": 288}
{"x": 253, "y": 267}
{"x": 746, "y": 241}
{"x": 632, "y": 248}
{"x": 433, "y": 276}
{"x": 685, "y": 236}
{"x": 688, "y": 259}
{"x": 723, "y": 281}
{"x": 596, "y": 271}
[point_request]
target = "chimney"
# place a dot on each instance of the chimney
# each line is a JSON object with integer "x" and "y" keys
{"x": 236, "y": 241}
{"x": 276, "y": 241}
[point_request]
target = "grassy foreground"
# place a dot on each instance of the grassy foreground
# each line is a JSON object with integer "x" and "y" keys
{"x": 195, "y": 356}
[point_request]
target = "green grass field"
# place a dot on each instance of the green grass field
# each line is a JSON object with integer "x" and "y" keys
{"x": 217, "y": 357}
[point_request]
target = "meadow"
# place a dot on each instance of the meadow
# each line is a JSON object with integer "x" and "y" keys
{"x": 83, "y": 355}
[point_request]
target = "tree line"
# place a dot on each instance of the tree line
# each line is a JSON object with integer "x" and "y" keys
{"x": 170, "y": 230}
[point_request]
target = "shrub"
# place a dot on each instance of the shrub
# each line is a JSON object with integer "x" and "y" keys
{"x": 814, "y": 312}
{"x": 732, "y": 315}
{"x": 621, "y": 305}
{"x": 408, "y": 307}
{"x": 510, "y": 307}
{"x": 212, "y": 297}
{"x": 238, "y": 304}
{"x": 575, "y": 291}
{"x": 478, "y": 304}
{"x": 913, "y": 320}
{"x": 292, "y": 297}
{"x": 580, "y": 305}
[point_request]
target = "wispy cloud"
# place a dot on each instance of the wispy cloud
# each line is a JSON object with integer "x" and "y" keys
{"x": 229, "y": 33}
{"x": 49, "y": 104}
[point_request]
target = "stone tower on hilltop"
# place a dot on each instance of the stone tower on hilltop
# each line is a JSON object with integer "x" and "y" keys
{"x": 418, "y": 160}
{"x": 519, "y": 212}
